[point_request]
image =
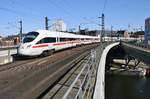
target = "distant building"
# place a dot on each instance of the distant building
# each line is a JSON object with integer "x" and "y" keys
{"x": 107, "y": 33}
{"x": 89, "y": 32}
{"x": 120, "y": 33}
{"x": 59, "y": 25}
{"x": 94, "y": 33}
{"x": 137, "y": 35}
{"x": 0, "y": 37}
{"x": 147, "y": 30}
{"x": 126, "y": 34}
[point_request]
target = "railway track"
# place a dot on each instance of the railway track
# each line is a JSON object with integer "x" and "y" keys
{"x": 54, "y": 91}
{"x": 62, "y": 86}
{"x": 27, "y": 79}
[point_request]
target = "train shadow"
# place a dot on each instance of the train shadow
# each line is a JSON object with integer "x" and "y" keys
{"x": 17, "y": 57}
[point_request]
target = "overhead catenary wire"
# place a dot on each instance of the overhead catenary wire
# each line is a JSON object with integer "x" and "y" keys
{"x": 32, "y": 12}
{"x": 12, "y": 25}
{"x": 65, "y": 4}
{"x": 21, "y": 14}
{"x": 104, "y": 7}
{"x": 18, "y": 13}
{"x": 62, "y": 9}
{"x": 11, "y": 11}
{"x": 29, "y": 13}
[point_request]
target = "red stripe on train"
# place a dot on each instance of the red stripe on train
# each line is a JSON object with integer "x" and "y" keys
{"x": 45, "y": 45}
{"x": 59, "y": 44}
{"x": 37, "y": 46}
{"x": 64, "y": 43}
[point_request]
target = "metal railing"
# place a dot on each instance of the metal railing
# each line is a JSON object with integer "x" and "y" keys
{"x": 86, "y": 85}
{"x": 142, "y": 45}
{"x": 139, "y": 44}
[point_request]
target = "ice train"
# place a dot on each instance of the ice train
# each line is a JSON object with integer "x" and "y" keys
{"x": 44, "y": 42}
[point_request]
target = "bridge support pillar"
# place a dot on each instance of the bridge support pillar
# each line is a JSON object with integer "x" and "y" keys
{"x": 128, "y": 59}
{"x": 136, "y": 63}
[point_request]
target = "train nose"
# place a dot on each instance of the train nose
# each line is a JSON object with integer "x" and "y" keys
{"x": 22, "y": 50}
{"x": 24, "y": 46}
{"x": 21, "y": 47}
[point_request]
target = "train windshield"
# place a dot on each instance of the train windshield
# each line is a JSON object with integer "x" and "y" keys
{"x": 29, "y": 37}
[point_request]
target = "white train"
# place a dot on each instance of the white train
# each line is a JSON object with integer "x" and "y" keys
{"x": 43, "y": 42}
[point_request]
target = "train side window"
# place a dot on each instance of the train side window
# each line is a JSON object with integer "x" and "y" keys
{"x": 47, "y": 40}
{"x": 68, "y": 39}
{"x": 72, "y": 39}
{"x": 40, "y": 42}
{"x": 64, "y": 39}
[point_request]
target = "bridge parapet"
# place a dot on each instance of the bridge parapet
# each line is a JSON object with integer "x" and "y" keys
{"x": 138, "y": 51}
{"x": 99, "y": 91}
{"x": 138, "y": 44}
{"x": 87, "y": 77}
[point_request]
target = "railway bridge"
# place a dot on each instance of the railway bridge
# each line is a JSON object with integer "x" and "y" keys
{"x": 73, "y": 73}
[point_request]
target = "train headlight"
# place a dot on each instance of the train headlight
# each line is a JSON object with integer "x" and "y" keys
{"x": 29, "y": 46}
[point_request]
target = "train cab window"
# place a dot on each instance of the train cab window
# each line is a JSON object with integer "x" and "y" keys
{"x": 47, "y": 40}
{"x": 29, "y": 37}
{"x": 33, "y": 34}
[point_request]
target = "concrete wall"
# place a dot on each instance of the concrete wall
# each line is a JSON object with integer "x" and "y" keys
{"x": 5, "y": 56}
{"x": 99, "y": 92}
{"x": 8, "y": 52}
{"x": 139, "y": 53}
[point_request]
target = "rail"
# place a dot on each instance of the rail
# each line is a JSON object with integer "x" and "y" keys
{"x": 90, "y": 76}
{"x": 85, "y": 85}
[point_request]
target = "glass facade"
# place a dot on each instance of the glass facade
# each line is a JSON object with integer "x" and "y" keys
{"x": 147, "y": 30}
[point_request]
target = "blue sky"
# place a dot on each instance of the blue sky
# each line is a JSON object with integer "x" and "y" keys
{"x": 118, "y": 13}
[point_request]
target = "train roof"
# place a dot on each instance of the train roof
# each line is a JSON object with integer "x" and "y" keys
{"x": 63, "y": 34}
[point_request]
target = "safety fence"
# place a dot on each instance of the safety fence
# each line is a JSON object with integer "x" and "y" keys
{"x": 88, "y": 75}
